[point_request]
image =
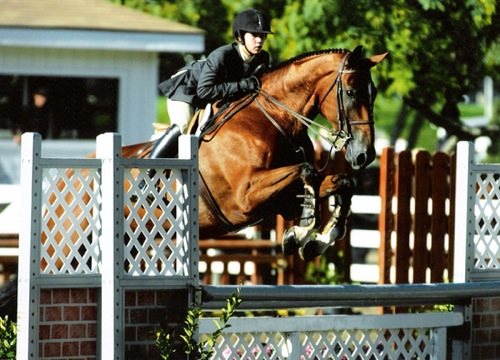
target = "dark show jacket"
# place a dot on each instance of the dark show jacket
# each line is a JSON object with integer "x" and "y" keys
{"x": 215, "y": 78}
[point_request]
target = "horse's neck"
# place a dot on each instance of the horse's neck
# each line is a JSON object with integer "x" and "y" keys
{"x": 296, "y": 85}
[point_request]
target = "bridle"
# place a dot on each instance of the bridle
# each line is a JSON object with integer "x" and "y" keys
{"x": 338, "y": 139}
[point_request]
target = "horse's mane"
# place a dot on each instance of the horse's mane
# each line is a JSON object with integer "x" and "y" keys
{"x": 306, "y": 55}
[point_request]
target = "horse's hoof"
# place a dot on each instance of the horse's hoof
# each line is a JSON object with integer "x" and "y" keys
{"x": 310, "y": 250}
{"x": 289, "y": 244}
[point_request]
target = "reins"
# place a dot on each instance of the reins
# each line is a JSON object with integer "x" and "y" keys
{"x": 332, "y": 138}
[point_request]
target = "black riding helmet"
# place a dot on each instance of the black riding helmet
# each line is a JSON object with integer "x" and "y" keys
{"x": 252, "y": 21}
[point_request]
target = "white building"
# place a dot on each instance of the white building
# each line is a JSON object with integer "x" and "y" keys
{"x": 88, "y": 39}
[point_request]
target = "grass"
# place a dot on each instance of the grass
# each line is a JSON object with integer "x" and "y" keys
{"x": 386, "y": 112}
{"x": 161, "y": 110}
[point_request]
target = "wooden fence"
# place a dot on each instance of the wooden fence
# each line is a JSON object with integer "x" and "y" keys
{"x": 416, "y": 222}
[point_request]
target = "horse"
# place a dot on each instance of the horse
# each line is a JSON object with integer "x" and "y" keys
{"x": 256, "y": 157}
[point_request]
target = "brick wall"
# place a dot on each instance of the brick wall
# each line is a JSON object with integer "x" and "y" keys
{"x": 68, "y": 324}
{"x": 486, "y": 328}
{"x": 69, "y": 319}
{"x": 145, "y": 312}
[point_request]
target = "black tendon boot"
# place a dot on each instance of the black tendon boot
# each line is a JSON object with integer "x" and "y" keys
{"x": 166, "y": 146}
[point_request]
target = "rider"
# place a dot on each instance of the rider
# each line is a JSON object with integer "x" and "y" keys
{"x": 227, "y": 73}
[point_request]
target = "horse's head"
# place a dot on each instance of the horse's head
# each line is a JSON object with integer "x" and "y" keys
{"x": 347, "y": 103}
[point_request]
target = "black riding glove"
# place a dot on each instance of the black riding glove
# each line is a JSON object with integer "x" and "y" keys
{"x": 259, "y": 70}
{"x": 249, "y": 84}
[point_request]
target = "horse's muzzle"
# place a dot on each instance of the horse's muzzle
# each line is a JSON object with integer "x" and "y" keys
{"x": 359, "y": 155}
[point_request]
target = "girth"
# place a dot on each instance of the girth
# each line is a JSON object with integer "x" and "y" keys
{"x": 213, "y": 206}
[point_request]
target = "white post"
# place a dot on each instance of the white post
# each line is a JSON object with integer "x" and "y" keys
{"x": 29, "y": 248}
{"x": 489, "y": 97}
{"x": 188, "y": 149}
{"x": 112, "y": 318}
{"x": 463, "y": 261}
{"x": 439, "y": 340}
{"x": 464, "y": 210}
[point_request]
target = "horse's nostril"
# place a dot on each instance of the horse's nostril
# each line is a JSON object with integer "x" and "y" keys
{"x": 361, "y": 159}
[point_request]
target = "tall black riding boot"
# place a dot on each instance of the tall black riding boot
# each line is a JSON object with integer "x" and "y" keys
{"x": 164, "y": 147}
{"x": 167, "y": 145}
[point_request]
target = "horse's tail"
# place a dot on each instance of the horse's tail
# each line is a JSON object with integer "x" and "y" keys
{"x": 8, "y": 299}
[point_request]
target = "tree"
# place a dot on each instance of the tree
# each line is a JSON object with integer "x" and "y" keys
{"x": 440, "y": 49}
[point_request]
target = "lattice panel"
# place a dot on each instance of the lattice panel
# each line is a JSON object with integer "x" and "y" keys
{"x": 343, "y": 344}
{"x": 156, "y": 223}
{"x": 71, "y": 225}
{"x": 487, "y": 226}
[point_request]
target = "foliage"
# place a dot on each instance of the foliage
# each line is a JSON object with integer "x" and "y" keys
{"x": 189, "y": 344}
{"x": 8, "y": 338}
{"x": 440, "y": 49}
{"x": 325, "y": 272}
{"x": 444, "y": 307}
{"x": 431, "y": 308}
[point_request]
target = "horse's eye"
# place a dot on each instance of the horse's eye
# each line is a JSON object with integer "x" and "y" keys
{"x": 350, "y": 93}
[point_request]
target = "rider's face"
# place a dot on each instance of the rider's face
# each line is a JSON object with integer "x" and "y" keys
{"x": 254, "y": 42}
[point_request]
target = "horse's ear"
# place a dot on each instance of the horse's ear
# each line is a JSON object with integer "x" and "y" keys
{"x": 375, "y": 59}
{"x": 357, "y": 52}
{"x": 355, "y": 57}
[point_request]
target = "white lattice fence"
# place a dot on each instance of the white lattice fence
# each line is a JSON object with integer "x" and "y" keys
{"x": 487, "y": 224}
{"x": 477, "y": 242}
{"x": 92, "y": 225}
{"x": 477, "y": 217}
{"x": 70, "y": 220}
{"x": 403, "y": 336}
{"x": 155, "y": 213}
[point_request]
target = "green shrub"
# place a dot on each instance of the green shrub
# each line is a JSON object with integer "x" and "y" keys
{"x": 187, "y": 342}
{"x": 8, "y": 337}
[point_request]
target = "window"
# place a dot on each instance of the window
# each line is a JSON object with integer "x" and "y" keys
{"x": 58, "y": 107}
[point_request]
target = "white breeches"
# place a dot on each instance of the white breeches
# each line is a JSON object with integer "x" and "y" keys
{"x": 179, "y": 113}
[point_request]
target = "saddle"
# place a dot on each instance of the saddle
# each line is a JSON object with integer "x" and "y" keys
{"x": 199, "y": 120}
{"x": 167, "y": 144}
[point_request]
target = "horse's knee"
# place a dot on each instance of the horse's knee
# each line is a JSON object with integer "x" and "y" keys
{"x": 341, "y": 184}
{"x": 308, "y": 173}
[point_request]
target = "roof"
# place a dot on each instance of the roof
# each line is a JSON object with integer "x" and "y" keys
{"x": 92, "y": 24}
{"x": 84, "y": 15}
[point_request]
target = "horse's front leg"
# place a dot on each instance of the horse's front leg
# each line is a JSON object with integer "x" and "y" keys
{"x": 267, "y": 184}
{"x": 341, "y": 187}
{"x": 270, "y": 183}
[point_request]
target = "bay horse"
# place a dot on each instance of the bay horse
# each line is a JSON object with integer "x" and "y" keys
{"x": 256, "y": 158}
